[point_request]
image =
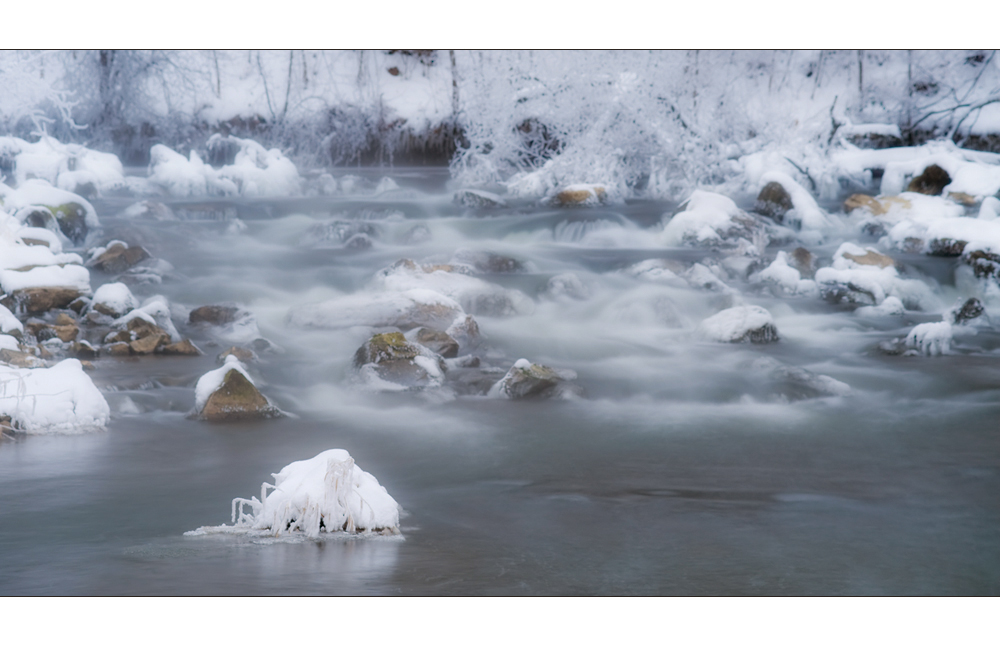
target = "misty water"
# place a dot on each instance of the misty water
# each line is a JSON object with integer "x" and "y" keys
{"x": 679, "y": 469}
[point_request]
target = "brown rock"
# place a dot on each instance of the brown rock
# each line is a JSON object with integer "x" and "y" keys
{"x": 121, "y": 336}
{"x": 83, "y": 350}
{"x": 20, "y": 359}
{"x": 871, "y": 258}
{"x": 237, "y": 399}
{"x": 65, "y": 319}
{"x": 214, "y": 314}
{"x": 88, "y": 366}
{"x": 119, "y": 257}
{"x": 34, "y": 242}
{"x": 931, "y": 182}
{"x": 947, "y": 247}
{"x": 963, "y": 198}
{"x": 149, "y": 344}
{"x": 438, "y": 342}
{"x": 243, "y": 354}
{"x": 79, "y": 304}
{"x": 36, "y": 300}
{"x": 66, "y": 333}
{"x": 803, "y": 260}
{"x": 118, "y": 349}
{"x": 572, "y": 196}
{"x": 860, "y": 200}
{"x": 141, "y": 328}
{"x": 183, "y": 348}
{"x": 773, "y": 201}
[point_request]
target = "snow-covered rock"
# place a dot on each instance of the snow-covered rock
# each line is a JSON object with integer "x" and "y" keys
{"x": 477, "y": 199}
{"x": 75, "y": 215}
{"x": 710, "y": 219}
{"x": 741, "y": 324}
{"x": 325, "y": 494}
{"x": 227, "y": 322}
{"x": 114, "y": 300}
{"x": 228, "y": 394}
{"x": 580, "y": 195}
{"x": 70, "y": 167}
{"x": 793, "y": 383}
{"x": 785, "y": 278}
{"x": 867, "y": 277}
{"x": 60, "y": 399}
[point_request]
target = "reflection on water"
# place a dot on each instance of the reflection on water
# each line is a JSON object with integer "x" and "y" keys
{"x": 681, "y": 471}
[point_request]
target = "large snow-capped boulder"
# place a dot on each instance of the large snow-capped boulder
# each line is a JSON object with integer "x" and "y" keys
{"x": 741, "y": 324}
{"x": 70, "y": 167}
{"x": 60, "y": 399}
{"x": 228, "y": 394}
{"x": 114, "y": 300}
{"x": 325, "y": 494}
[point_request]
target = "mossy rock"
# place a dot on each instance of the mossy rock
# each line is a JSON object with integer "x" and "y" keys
{"x": 72, "y": 219}
{"x": 390, "y": 346}
{"x": 530, "y": 382}
{"x": 237, "y": 399}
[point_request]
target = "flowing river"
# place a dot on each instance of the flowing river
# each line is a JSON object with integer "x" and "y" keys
{"x": 678, "y": 469}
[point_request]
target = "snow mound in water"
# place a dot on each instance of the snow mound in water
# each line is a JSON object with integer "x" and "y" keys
{"x": 709, "y": 219}
{"x": 255, "y": 171}
{"x": 328, "y": 493}
{"x": 71, "y": 167}
{"x": 60, "y": 399}
{"x": 931, "y": 338}
{"x": 785, "y": 277}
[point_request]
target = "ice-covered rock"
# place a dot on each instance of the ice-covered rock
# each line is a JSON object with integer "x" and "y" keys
{"x": 228, "y": 394}
{"x": 867, "y": 277}
{"x": 404, "y": 310}
{"x": 526, "y": 380}
{"x": 389, "y": 362}
{"x": 741, "y": 324}
{"x": 785, "y": 278}
{"x": 931, "y": 338}
{"x": 60, "y": 399}
{"x": 477, "y": 199}
{"x": 789, "y": 203}
{"x": 325, "y": 494}
{"x": 710, "y": 219}
{"x": 970, "y": 310}
{"x": 794, "y": 383}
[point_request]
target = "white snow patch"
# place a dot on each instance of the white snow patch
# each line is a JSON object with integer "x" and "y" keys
{"x": 60, "y": 399}
{"x": 931, "y": 338}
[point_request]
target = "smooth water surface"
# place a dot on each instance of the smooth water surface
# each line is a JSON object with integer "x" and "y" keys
{"x": 679, "y": 471}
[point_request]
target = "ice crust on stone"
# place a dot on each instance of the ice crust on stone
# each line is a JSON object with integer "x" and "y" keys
{"x": 325, "y": 494}
{"x": 931, "y": 338}
{"x": 733, "y": 325}
{"x": 60, "y": 399}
